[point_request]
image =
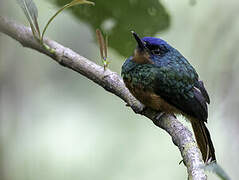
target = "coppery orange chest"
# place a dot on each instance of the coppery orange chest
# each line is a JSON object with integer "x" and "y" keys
{"x": 150, "y": 99}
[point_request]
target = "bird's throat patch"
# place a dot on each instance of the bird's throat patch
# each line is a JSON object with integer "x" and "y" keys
{"x": 141, "y": 57}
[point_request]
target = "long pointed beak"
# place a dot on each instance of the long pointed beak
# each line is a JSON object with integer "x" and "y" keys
{"x": 139, "y": 41}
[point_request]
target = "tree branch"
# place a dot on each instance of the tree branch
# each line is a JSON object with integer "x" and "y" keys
{"x": 113, "y": 83}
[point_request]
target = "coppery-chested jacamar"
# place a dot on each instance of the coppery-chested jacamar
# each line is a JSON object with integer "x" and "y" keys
{"x": 162, "y": 79}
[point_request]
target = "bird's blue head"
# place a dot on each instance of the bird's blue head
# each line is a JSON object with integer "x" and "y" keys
{"x": 148, "y": 47}
{"x": 156, "y": 45}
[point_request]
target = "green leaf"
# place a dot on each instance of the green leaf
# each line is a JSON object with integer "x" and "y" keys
{"x": 117, "y": 18}
{"x": 30, "y": 10}
{"x": 72, "y": 3}
{"x": 103, "y": 44}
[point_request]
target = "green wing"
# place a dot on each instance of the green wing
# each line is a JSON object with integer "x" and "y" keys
{"x": 178, "y": 86}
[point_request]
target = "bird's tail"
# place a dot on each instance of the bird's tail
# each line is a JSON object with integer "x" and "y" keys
{"x": 204, "y": 141}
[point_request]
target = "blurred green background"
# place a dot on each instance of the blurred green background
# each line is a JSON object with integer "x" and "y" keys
{"x": 57, "y": 125}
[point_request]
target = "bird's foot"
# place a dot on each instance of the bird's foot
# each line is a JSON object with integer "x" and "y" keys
{"x": 158, "y": 117}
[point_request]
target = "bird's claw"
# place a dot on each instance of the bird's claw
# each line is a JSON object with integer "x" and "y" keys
{"x": 159, "y": 115}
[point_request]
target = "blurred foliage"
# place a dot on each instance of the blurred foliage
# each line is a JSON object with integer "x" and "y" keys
{"x": 31, "y": 12}
{"x": 56, "y": 125}
{"x": 72, "y": 3}
{"x": 118, "y": 18}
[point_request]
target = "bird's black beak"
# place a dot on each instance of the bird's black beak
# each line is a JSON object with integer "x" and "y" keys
{"x": 141, "y": 44}
{"x": 141, "y": 52}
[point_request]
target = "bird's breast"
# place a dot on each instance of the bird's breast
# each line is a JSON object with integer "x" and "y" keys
{"x": 149, "y": 98}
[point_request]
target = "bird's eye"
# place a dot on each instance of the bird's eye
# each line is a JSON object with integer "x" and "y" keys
{"x": 156, "y": 51}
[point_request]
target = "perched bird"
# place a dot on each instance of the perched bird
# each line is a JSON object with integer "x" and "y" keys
{"x": 162, "y": 79}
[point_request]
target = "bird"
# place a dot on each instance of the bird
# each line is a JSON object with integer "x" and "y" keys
{"x": 161, "y": 78}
